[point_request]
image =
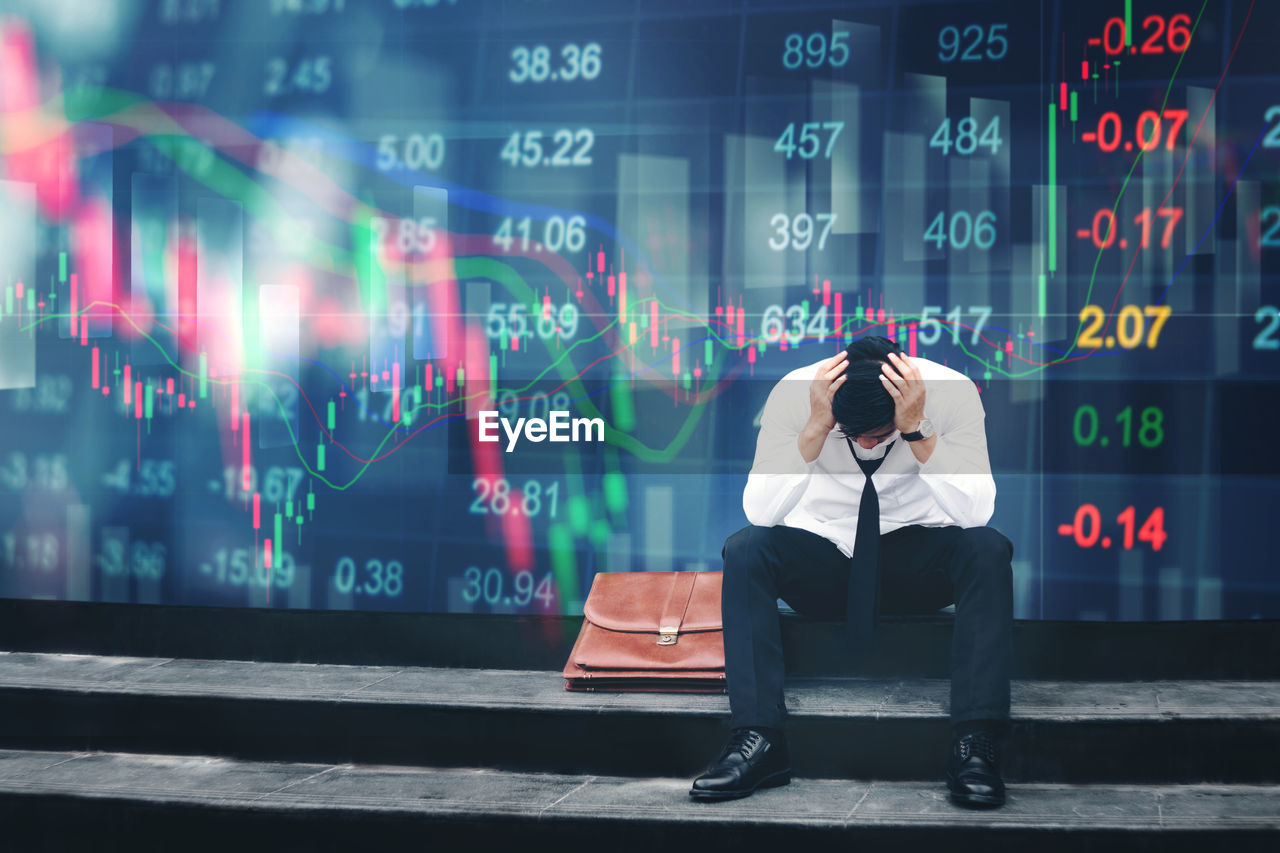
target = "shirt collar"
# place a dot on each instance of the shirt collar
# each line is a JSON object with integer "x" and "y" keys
{"x": 876, "y": 452}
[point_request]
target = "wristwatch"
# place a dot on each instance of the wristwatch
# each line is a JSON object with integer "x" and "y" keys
{"x": 925, "y": 430}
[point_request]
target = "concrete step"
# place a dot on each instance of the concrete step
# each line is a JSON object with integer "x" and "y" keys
{"x": 69, "y": 799}
{"x": 917, "y": 647}
{"x": 890, "y": 729}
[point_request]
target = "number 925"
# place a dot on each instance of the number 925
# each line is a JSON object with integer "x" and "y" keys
{"x": 951, "y": 40}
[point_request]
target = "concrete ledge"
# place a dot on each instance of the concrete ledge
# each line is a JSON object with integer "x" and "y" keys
{"x": 908, "y": 646}
{"x": 894, "y": 729}
{"x": 481, "y": 689}
{"x": 35, "y": 786}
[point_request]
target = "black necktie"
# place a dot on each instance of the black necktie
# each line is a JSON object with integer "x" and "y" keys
{"x": 860, "y": 610}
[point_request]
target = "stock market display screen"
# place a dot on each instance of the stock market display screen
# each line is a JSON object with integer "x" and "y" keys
{"x": 266, "y": 266}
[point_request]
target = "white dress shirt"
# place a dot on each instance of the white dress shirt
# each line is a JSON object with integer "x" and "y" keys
{"x": 954, "y": 487}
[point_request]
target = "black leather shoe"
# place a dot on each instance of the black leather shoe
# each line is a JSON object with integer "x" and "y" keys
{"x": 973, "y": 771}
{"x": 748, "y": 761}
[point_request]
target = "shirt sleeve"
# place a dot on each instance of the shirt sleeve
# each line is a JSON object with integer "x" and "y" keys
{"x": 958, "y": 472}
{"x": 779, "y": 474}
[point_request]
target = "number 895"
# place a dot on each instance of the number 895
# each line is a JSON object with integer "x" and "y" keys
{"x": 813, "y": 51}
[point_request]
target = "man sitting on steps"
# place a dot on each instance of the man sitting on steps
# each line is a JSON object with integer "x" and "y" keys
{"x": 871, "y": 481}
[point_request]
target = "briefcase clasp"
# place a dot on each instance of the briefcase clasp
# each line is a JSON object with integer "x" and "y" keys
{"x": 667, "y": 636}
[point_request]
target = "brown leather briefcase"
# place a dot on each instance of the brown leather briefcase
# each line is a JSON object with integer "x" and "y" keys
{"x": 650, "y": 632}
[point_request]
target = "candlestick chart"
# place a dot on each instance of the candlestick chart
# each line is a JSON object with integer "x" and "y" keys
{"x": 262, "y": 265}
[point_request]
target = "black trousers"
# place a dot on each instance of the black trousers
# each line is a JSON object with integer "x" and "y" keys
{"x": 921, "y": 570}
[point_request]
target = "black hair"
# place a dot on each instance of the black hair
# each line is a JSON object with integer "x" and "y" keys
{"x": 861, "y": 404}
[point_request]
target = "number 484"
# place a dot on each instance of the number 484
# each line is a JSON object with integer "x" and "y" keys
{"x": 967, "y": 140}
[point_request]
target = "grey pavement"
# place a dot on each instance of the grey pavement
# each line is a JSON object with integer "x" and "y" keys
{"x": 445, "y": 792}
{"x": 849, "y": 698}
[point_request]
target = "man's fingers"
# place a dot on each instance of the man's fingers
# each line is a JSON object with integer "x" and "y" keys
{"x": 905, "y": 367}
{"x": 889, "y": 373}
{"x": 891, "y": 388}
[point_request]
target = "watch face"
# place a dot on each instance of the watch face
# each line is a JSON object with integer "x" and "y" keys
{"x": 926, "y": 428}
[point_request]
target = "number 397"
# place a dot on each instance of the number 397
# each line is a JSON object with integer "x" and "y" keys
{"x": 797, "y": 232}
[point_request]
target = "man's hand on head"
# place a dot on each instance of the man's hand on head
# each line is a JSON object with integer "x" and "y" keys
{"x": 822, "y": 389}
{"x": 904, "y": 383}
